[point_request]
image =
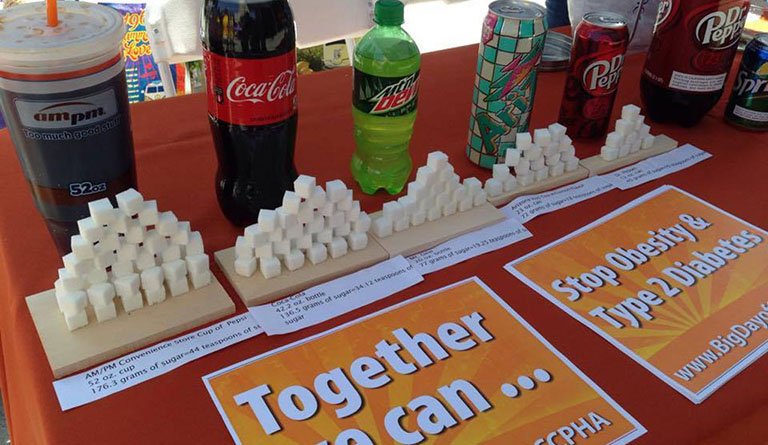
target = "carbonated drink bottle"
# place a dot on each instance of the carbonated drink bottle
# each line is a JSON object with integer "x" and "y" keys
{"x": 384, "y": 98}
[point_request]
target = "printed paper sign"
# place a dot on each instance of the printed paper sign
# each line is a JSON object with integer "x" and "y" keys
{"x": 656, "y": 167}
{"x": 674, "y": 282}
{"x": 456, "y": 366}
{"x": 527, "y": 207}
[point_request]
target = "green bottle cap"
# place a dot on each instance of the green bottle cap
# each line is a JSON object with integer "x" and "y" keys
{"x": 388, "y": 12}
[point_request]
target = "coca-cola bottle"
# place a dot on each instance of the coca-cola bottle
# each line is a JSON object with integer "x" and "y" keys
{"x": 694, "y": 42}
{"x": 249, "y": 52}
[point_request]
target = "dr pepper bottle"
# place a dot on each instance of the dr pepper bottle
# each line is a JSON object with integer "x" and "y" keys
{"x": 597, "y": 57}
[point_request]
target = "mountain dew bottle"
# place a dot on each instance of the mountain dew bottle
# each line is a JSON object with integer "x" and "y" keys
{"x": 384, "y": 99}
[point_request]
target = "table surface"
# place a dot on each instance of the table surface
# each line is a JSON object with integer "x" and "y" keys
{"x": 176, "y": 164}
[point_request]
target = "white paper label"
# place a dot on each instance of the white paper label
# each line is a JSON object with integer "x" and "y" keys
{"x": 753, "y": 115}
{"x": 328, "y": 300}
{"x": 469, "y": 246}
{"x": 697, "y": 83}
{"x": 656, "y": 167}
{"x": 527, "y": 207}
{"x": 140, "y": 366}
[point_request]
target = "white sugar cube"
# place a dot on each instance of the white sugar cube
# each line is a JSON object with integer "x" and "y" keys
{"x": 418, "y": 217}
{"x": 294, "y": 232}
{"x": 416, "y": 190}
{"x": 144, "y": 260}
{"x": 90, "y": 230}
{"x": 261, "y": 252}
{"x": 81, "y": 248}
{"x": 534, "y": 153}
{"x": 306, "y": 213}
{"x": 197, "y": 264}
{"x": 525, "y": 179}
{"x": 648, "y": 142}
{"x": 500, "y": 172}
{"x": 281, "y": 247}
{"x": 557, "y": 131}
{"x": 276, "y": 235}
{"x": 636, "y": 145}
{"x": 270, "y": 267}
{"x": 446, "y": 173}
{"x": 70, "y": 281}
{"x": 557, "y": 169}
{"x": 382, "y": 226}
{"x": 285, "y": 218}
{"x": 201, "y": 280}
{"x": 460, "y": 193}
{"x": 245, "y": 267}
{"x": 644, "y": 131}
{"x": 565, "y": 142}
{"x": 571, "y": 164}
{"x": 148, "y": 215}
{"x": 154, "y": 242}
{"x": 181, "y": 237}
{"x": 346, "y": 202}
{"x": 175, "y": 270}
{"x": 437, "y": 160}
{"x": 101, "y": 294}
{"x": 317, "y": 200}
{"x": 75, "y": 265}
{"x": 167, "y": 224}
{"x": 323, "y": 236}
{"x": 542, "y": 137}
{"x": 426, "y": 176}
{"x": 480, "y": 198}
{"x": 317, "y": 253}
{"x": 552, "y": 160}
{"x": 111, "y": 242}
{"x": 267, "y": 220}
{"x": 122, "y": 268}
{"x": 540, "y": 175}
{"x": 624, "y": 127}
{"x": 328, "y": 209}
{"x": 243, "y": 248}
{"x": 178, "y": 287}
{"x": 609, "y": 153}
{"x": 451, "y": 186}
{"x": 304, "y": 186}
{"x": 473, "y": 185}
{"x": 291, "y": 203}
{"x": 357, "y": 241}
{"x": 294, "y": 259}
{"x": 73, "y": 302}
{"x": 130, "y": 202}
{"x": 434, "y": 213}
{"x": 127, "y": 252}
{"x": 76, "y": 320}
{"x": 335, "y": 190}
{"x": 254, "y": 236}
{"x": 363, "y": 223}
{"x": 551, "y": 149}
{"x": 466, "y": 204}
{"x": 102, "y": 211}
{"x": 354, "y": 212}
{"x": 614, "y": 139}
{"x": 510, "y": 184}
{"x": 105, "y": 312}
{"x": 99, "y": 275}
{"x": 630, "y": 112}
{"x": 135, "y": 233}
{"x": 304, "y": 242}
{"x": 401, "y": 224}
{"x": 120, "y": 224}
{"x": 337, "y": 219}
{"x": 639, "y": 122}
{"x": 155, "y": 296}
{"x": 624, "y": 150}
{"x": 511, "y": 157}
{"x": 317, "y": 224}
{"x": 523, "y": 140}
{"x": 154, "y": 277}
{"x": 522, "y": 167}
{"x": 450, "y": 208}
{"x": 342, "y": 230}
{"x": 494, "y": 187}
{"x": 195, "y": 244}
{"x": 337, "y": 248}
{"x": 567, "y": 152}
{"x": 393, "y": 210}
{"x": 442, "y": 199}
{"x": 127, "y": 285}
{"x": 538, "y": 163}
{"x": 132, "y": 302}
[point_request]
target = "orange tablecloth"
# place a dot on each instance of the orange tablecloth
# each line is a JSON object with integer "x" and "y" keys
{"x": 176, "y": 165}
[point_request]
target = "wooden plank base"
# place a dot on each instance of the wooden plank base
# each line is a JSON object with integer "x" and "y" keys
{"x": 597, "y": 165}
{"x": 541, "y": 186}
{"x": 258, "y": 290}
{"x": 430, "y": 234}
{"x": 70, "y": 352}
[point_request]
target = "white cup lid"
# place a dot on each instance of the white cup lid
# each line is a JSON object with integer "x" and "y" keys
{"x": 86, "y": 32}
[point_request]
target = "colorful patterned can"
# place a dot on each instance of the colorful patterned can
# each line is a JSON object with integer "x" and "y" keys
{"x": 748, "y": 105}
{"x": 505, "y": 80}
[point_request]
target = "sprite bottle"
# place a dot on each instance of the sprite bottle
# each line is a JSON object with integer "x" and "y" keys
{"x": 384, "y": 99}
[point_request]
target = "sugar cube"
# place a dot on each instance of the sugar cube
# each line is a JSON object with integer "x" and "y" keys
{"x": 337, "y": 247}
{"x": 624, "y": 150}
{"x": 122, "y": 268}
{"x": 130, "y": 202}
{"x": 276, "y": 235}
{"x": 522, "y": 167}
{"x": 178, "y": 287}
{"x": 494, "y": 187}
{"x": 557, "y": 131}
{"x": 73, "y": 302}
{"x": 335, "y": 190}
{"x": 459, "y": 194}
{"x": 630, "y": 112}
{"x": 294, "y": 232}
{"x": 473, "y": 185}
{"x": 636, "y": 145}
{"x": 76, "y": 320}
{"x": 317, "y": 253}
{"x": 346, "y": 202}
{"x": 557, "y": 169}
{"x": 317, "y": 224}
{"x": 538, "y": 163}
{"x": 197, "y": 264}
{"x": 153, "y": 277}
{"x": 270, "y": 267}
{"x": 304, "y": 186}
{"x": 148, "y": 215}
{"x": 450, "y": 208}
{"x": 317, "y": 200}
{"x": 354, "y": 212}
{"x": 552, "y": 160}
{"x": 281, "y": 247}
{"x": 511, "y": 157}
{"x": 285, "y": 218}
{"x": 167, "y": 224}
{"x": 542, "y": 137}
{"x": 382, "y": 226}
{"x": 70, "y": 281}
{"x": 127, "y": 252}
{"x": 291, "y": 203}
{"x": 267, "y": 220}
{"x": 567, "y": 152}
{"x": 306, "y": 213}
{"x": 393, "y": 210}
{"x": 409, "y": 205}
{"x": 132, "y": 302}
{"x": 501, "y": 172}
{"x": 110, "y": 241}
{"x": 565, "y": 141}
{"x": 127, "y": 285}
{"x": 510, "y": 184}
{"x": 181, "y": 237}
{"x": 90, "y": 230}
{"x": 76, "y": 266}
{"x": 101, "y": 294}
{"x": 171, "y": 253}
{"x": 294, "y": 260}
{"x": 363, "y": 223}
{"x": 82, "y": 248}
{"x": 648, "y": 142}
{"x": 446, "y": 173}
{"x": 437, "y": 160}
{"x": 261, "y": 252}
{"x": 614, "y": 139}
{"x": 426, "y": 176}
{"x": 357, "y": 241}
{"x": 135, "y": 233}
{"x": 175, "y": 270}
{"x": 434, "y": 213}
{"x": 155, "y": 296}
{"x": 324, "y": 236}
{"x": 624, "y": 127}
{"x": 328, "y": 209}
{"x": 466, "y": 204}
{"x": 416, "y": 190}
{"x": 195, "y": 244}
{"x": 418, "y": 217}
{"x": 144, "y": 260}
{"x": 342, "y": 230}
{"x": 551, "y": 149}
{"x": 105, "y": 312}
{"x": 442, "y": 199}
{"x": 102, "y": 211}
{"x": 526, "y": 179}
{"x": 120, "y": 224}
{"x": 534, "y": 153}
{"x": 304, "y": 242}
{"x": 571, "y": 164}
{"x": 540, "y": 175}
{"x": 609, "y": 153}
{"x": 523, "y": 140}
{"x": 245, "y": 267}
{"x": 154, "y": 242}
{"x": 201, "y": 280}
{"x": 401, "y": 223}
{"x": 639, "y": 122}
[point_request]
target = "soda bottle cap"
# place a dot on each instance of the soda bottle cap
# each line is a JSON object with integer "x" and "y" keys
{"x": 389, "y": 12}
{"x": 87, "y": 35}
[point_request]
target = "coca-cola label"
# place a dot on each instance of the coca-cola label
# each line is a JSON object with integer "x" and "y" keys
{"x": 251, "y": 91}
{"x": 601, "y": 76}
{"x": 385, "y": 96}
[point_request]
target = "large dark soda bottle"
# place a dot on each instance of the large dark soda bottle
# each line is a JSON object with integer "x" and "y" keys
{"x": 249, "y": 52}
{"x": 694, "y": 42}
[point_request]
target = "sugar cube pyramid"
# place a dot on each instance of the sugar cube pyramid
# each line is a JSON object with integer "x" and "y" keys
{"x": 631, "y": 135}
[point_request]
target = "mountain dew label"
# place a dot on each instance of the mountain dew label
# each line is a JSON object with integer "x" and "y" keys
{"x": 385, "y": 96}
{"x": 505, "y": 80}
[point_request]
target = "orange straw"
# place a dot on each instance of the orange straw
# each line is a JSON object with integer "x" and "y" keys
{"x": 53, "y": 13}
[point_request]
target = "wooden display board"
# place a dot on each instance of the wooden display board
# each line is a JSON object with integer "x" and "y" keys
{"x": 256, "y": 290}
{"x": 431, "y": 233}
{"x": 69, "y": 352}
{"x": 597, "y": 165}
{"x": 541, "y": 186}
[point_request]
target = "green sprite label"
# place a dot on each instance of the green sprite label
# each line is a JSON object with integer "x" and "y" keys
{"x": 385, "y": 96}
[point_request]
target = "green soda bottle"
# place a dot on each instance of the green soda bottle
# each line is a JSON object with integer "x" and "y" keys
{"x": 384, "y": 99}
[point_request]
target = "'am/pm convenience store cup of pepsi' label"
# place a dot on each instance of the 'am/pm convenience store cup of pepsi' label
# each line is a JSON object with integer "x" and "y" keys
{"x": 63, "y": 95}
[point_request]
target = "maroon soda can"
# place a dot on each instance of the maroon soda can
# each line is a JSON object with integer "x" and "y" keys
{"x": 597, "y": 56}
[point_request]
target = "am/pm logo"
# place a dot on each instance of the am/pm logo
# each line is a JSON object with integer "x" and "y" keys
{"x": 67, "y": 114}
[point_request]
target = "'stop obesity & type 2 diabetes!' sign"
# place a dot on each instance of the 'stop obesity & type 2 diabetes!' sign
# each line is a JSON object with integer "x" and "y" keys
{"x": 677, "y": 284}
{"x": 454, "y": 366}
